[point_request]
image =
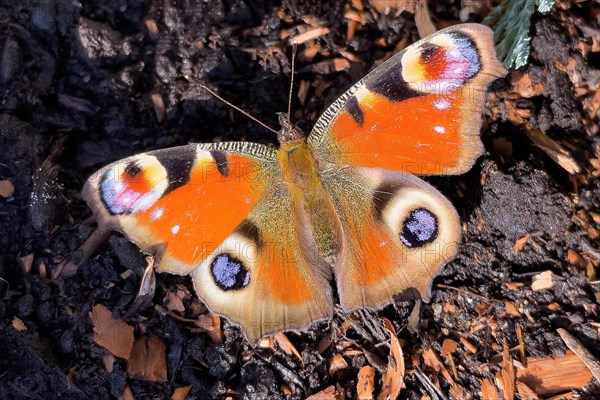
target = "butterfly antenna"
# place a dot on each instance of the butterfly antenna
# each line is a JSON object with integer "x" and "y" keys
{"x": 237, "y": 108}
{"x": 294, "y": 47}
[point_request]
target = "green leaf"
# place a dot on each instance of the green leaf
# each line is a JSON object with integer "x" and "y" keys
{"x": 512, "y": 23}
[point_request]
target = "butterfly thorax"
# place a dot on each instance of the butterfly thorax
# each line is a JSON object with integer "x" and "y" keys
{"x": 300, "y": 172}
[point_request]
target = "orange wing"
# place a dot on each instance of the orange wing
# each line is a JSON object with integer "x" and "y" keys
{"x": 419, "y": 111}
{"x": 397, "y": 232}
{"x": 181, "y": 203}
{"x": 221, "y": 213}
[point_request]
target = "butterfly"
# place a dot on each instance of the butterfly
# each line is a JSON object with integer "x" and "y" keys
{"x": 266, "y": 235}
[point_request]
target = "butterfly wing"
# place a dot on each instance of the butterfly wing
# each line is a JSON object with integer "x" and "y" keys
{"x": 397, "y": 233}
{"x": 180, "y": 203}
{"x": 419, "y": 111}
{"x": 221, "y": 213}
{"x": 268, "y": 275}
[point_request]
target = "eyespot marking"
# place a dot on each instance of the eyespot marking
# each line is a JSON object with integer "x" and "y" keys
{"x": 229, "y": 273}
{"x": 419, "y": 229}
{"x": 132, "y": 169}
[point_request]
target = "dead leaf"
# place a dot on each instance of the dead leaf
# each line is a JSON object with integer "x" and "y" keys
{"x": 148, "y": 360}
{"x": 180, "y": 393}
{"x": 366, "y": 380}
{"x": 393, "y": 377}
{"x": 111, "y": 333}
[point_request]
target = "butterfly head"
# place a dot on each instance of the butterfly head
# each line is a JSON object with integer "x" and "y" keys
{"x": 288, "y": 131}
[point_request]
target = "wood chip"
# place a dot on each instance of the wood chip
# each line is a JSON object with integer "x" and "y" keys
{"x": 576, "y": 259}
{"x": 148, "y": 360}
{"x": 329, "y": 393}
{"x": 584, "y": 354}
{"x": 111, "y": 333}
{"x": 330, "y": 66}
{"x": 393, "y": 377}
{"x": 159, "y": 106}
{"x": 548, "y": 375}
{"x": 514, "y": 285}
{"x": 423, "y": 20}
{"x": 366, "y": 381}
{"x": 387, "y": 6}
{"x": 525, "y": 86}
{"x": 18, "y": 324}
{"x": 180, "y": 393}
{"x": 152, "y": 28}
{"x": 26, "y": 262}
{"x": 554, "y": 150}
{"x": 542, "y": 281}
{"x": 310, "y": 34}
{"x": 337, "y": 363}
{"x": 508, "y": 374}
{"x": 511, "y": 310}
{"x": 174, "y": 302}
{"x": 449, "y": 347}
{"x": 109, "y": 362}
{"x": 432, "y": 360}
{"x": 7, "y": 189}
{"x": 525, "y": 392}
{"x": 468, "y": 345}
{"x": 286, "y": 346}
{"x": 127, "y": 394}
{"x": 488, "y": 390}
{"x": 520, "y": 244}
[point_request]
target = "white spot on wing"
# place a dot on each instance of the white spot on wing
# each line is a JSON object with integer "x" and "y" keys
{"x": 439, "y": 129}
{"x": 157, "y": 213}
{"x": 175, "y": 229}
{"x": 441, "y": 104}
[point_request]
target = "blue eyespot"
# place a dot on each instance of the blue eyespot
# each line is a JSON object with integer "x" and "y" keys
{"x": 420, "y": 228}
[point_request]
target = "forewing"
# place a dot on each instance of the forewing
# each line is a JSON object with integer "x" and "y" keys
{"x": 419, "y": 111}
{"x": 180, "y": 203}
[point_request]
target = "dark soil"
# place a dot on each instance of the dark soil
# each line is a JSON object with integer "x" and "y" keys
{"x": 75, "y": 94}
